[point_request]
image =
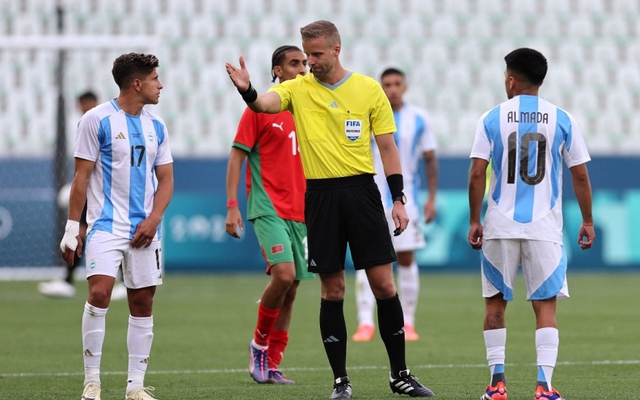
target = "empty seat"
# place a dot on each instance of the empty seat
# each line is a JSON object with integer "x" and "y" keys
{"x": 203, "y": 26}
{"x": 355, "y": 9}
{"x": 463, "y": 128}
{"x": 548, "y": 27}
{"x": 580, "y": 26}
{"x": 456, "y": 7}
{"x": 411, "y": 27}
{"x": 571, "y": 52}
{"x": 441, "y": 128}
{"x": 591, "y": 7}
{"x": 630, "y": 139}
{"x": 606, "y": 53}
{"x": 421, "y": 7}
{"x": 457, "y": 76}
{"x": 401, "y": 55}
{"x": 480, "y": 101}
{"x": 275, "y": 27}
{"x": 444, "y": 27}
{"x": 376, "y": 27}
{"x": 361, "y": 53}
{"x": 260, "y": 53}
{"x": 435, "y": 53}
{"x": 615, "y": 26}
{"x": 227, "y": 51}
{"x": 236, "y": 27}
{"x": 488, "y": 8}
{"x": 167, "y": 26}
{"x": 556, "y": 6}
{"x": 620, "y": 99}
{"x": 629, "y": 8}
{"x": 284, "y": 7}
{"x": 561, "y": 77}
{"x": 480, "y": 27}
{"x": 585, "y": 99}
{"x": 149, "y": 7}
{"x": 447, "y": 100}
{"x": 628, "y": 75}
{"x": 469, "y": 52}
{"x": 246, "y": 8}
{"x": 632, "y": 53}
{"x": 606, "y": 134}
{"x": 597, "y": 76}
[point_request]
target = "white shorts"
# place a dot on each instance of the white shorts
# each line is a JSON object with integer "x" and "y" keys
{"x": 544, "y": 268}
{"x": 412, "y": 238}
{"x": 106, "y": 252}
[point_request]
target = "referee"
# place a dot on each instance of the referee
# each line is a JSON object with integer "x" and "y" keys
{"x": 336, "y": 111}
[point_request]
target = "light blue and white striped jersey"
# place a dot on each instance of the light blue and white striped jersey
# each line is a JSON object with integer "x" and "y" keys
{"x": 527, "y": 138}
{"x": 414, "y": 137}
{"x": 126, "y": 150}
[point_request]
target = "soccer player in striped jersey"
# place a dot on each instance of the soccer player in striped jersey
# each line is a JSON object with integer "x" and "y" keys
{"x": 527, "y": 139}
{"x": 415, "y": 140}
{"x": 65, "y": 288}
{"x": 275, "y": 193}
{"x": 337, "y": 113}
{"x": 124, "y": 170}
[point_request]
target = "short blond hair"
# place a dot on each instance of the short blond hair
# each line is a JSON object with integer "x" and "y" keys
{"x": 321, "y": 28}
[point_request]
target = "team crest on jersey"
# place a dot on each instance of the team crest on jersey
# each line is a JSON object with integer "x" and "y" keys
{"x": 353, "y": 129}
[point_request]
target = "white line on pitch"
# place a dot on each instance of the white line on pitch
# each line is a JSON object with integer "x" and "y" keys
{"x": 364, "y": 367}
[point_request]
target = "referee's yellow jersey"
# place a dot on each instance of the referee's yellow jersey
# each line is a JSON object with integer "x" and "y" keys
{"x": 334, "y": 123}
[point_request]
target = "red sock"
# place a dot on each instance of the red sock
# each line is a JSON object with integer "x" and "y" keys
{"x": 266, "y": 319}
{"x": 277, "y": 343}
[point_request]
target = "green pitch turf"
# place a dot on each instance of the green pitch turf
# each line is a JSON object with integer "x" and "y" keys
{"x": 203, "y": 324}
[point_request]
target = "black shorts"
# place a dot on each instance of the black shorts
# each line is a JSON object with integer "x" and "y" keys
{"x": 346, "y": 210}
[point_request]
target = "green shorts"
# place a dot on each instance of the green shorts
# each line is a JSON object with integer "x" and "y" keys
{"x": 283, "y": 240}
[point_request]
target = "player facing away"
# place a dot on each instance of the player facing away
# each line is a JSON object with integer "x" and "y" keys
{"x": 527, "y": 139}
{"x": 415, "y": 139}
{"x": 336, "y": 113}
{"x": 275, "y": 196}
{"x": 124, "y": 169}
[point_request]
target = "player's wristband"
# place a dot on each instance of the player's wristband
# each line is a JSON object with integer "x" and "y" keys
{"x": 232, "y": 203}
{"x": 71, "y": 231}
{"x": 396, "y": 184}
{"x": 250, "y": 95}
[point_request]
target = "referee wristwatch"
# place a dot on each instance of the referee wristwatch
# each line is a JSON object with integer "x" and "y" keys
{"x": 401, "y": 198}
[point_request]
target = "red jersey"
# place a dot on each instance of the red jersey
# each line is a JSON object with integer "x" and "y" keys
{"x": 275, "y": 179}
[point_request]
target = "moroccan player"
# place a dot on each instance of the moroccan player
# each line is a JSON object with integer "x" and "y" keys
{"x": 275, "y": 194}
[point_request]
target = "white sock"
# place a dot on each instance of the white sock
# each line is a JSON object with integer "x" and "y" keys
{"x": 495, "y": 341}
{"x": 139, "y": 340}
{"x": 409, "y": 290}
{"x": 547, "y": 341}
{"x": 93, "y": 326}
{"x": 365, "y": 301}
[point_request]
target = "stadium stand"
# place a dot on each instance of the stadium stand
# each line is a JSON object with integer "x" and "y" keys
{"x": 452, "y": 51}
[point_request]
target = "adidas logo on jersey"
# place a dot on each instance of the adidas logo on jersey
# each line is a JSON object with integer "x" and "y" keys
{"x": 120, "y": 136}
{"x": 312, "y": 263}
{"x": 333, "y": 105}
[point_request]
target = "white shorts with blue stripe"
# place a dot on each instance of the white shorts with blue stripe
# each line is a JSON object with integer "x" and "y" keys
{"x": 544, "y": 268}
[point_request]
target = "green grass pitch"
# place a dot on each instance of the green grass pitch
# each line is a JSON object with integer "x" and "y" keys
{"x": 203, "y": 324}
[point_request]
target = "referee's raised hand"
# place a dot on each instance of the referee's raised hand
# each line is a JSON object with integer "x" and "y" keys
{"x": 239, "y": 76}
